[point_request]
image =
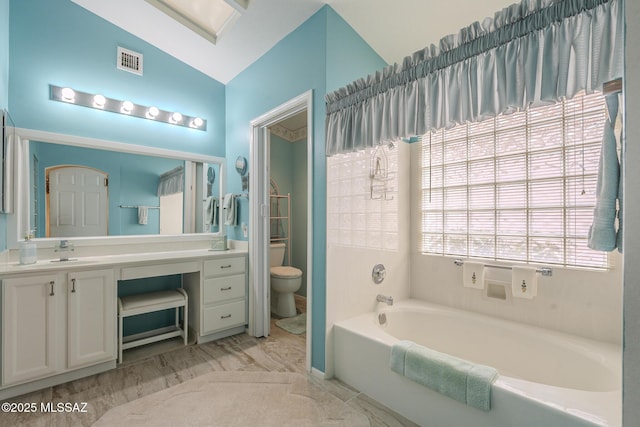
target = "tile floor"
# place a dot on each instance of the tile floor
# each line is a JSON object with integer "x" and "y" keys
{"x": 143, "y": 373}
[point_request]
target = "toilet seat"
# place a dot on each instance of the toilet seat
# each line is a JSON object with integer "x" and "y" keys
{"x": 285, "y": 272}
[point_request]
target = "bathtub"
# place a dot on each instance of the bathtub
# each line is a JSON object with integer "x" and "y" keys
{"x": 546, "y": 378}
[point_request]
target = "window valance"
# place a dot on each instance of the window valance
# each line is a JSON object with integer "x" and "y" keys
{"x": 171, "y": 182}
{"x": 531, "y": 53}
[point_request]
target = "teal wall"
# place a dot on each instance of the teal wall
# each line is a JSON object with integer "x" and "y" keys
{"x": 298, "y": 63}
{"x": 292, "y": 67}
{"x": 133, "y": 180}
{"x": 4, "y": 90}
{"x": 58, "y": 42}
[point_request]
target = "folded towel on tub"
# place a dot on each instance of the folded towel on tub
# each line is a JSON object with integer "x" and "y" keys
{"x": 457, "y": 378}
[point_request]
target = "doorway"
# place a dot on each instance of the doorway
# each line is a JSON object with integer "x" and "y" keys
{"x": 260, "y": 215}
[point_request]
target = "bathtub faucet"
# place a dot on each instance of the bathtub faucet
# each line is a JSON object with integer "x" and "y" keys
{"x": 387, "y": 300}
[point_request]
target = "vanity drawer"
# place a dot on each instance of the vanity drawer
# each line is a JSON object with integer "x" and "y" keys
{"x": 223, "y": 288}
{"x": 223, "y": 316}
{"x": 224, "y": 266}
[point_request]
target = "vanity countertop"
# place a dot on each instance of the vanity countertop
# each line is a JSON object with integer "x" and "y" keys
{"x": 83, "y": 262}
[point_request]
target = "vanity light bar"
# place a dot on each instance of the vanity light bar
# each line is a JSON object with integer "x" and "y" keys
{"x": 126, "y": 107}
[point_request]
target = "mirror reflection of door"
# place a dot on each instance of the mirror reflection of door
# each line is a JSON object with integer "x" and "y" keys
{"x": 77, "y": 201}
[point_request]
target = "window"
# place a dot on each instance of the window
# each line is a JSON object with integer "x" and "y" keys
{"x": 362, "y": 212}
{"x": 519, "y": 187}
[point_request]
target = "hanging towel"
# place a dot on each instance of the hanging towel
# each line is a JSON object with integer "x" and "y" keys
{"x": 230, "y": 211}
{"x": 143, "y": 215}
{"x": 524, "y": 282}
{"x": 618, "y": 134}
{"x": 473, "y": 275}
{"x": 602, "y": 234}
{"x": 211, "y": 211}
{"x": 456, "y": 378}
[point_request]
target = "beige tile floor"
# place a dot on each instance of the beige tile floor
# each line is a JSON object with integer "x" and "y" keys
{"x": 160, "y": 366}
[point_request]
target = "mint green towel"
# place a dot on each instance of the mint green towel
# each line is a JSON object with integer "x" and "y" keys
{"x": 398, "y": 356}
{"x": 456, "y": 378}
{"x": 479, "y": 380}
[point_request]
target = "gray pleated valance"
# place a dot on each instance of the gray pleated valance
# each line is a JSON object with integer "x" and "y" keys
{"x": 171, "y": 182}
{"x": 531, "y": 53}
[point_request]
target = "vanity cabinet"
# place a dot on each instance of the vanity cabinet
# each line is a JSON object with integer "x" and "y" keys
{"x": 91, "y": 314}
{"x": 219, "y": 304}
{"x": 30, "y": 312}
{"x": 56, "y": 323}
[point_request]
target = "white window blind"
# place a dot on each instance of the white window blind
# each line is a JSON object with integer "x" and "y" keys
{"x": 361, "y": 212}
{"x": 520, "y": 187}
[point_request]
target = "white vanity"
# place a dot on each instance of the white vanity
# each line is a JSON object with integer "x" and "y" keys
{"x": 59, "y": 319}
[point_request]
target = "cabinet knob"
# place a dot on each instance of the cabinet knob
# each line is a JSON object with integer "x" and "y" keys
{"x": 226, "y": 266}
{"x": 225, "y": 317}
{"x": 51, "y": 283}
{"x": 228, "y": 288}
{"x": 73, "y": 285}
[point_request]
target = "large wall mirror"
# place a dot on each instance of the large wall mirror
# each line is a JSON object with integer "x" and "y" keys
{"x": 78, "y": 190}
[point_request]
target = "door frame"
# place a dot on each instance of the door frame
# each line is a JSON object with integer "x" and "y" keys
{"x": 259, "y": 239}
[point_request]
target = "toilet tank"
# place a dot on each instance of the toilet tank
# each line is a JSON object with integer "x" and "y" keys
{"x": 276, "y": 256}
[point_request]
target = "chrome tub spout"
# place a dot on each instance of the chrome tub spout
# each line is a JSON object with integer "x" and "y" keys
{"x": 387, "y": 300}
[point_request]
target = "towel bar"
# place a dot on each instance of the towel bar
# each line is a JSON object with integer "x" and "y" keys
{"x": 545, "y": 271}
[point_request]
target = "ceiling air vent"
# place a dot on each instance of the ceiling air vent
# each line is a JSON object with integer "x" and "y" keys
{"x": 130, "y": 61}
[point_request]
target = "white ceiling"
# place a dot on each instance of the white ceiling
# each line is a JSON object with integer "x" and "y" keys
{"x": 394, "y": 29}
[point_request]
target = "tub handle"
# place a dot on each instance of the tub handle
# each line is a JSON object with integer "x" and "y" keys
{"x": 378, "y": 273}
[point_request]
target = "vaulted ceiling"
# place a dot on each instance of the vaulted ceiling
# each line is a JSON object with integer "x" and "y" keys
{"x": 394, "y": 29}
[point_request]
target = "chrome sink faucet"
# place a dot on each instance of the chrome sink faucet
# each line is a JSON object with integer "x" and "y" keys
{"x": 387, "y": 300}
{"x": 64, "y": 247}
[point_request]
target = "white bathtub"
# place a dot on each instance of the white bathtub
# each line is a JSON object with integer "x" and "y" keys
{"x": 546, "y": 378}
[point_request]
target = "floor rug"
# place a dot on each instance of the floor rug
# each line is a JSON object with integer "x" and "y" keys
{"x": 295, "y": 325}
{"x": 238, "y": 399}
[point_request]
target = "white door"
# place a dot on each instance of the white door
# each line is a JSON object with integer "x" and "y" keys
{"x": 28, "y": 328}
{"x": 78, "y": 202}
{"x": 91, "y": 318}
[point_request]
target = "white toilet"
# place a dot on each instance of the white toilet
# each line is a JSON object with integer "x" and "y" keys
{"x": 285, "y": 281}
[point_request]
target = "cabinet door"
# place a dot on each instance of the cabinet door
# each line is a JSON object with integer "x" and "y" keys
{"x": 29, "y": 327}
{"x": 91, "y": 317}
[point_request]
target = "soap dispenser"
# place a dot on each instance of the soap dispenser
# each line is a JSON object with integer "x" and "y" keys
{"x": 28, "y": 249}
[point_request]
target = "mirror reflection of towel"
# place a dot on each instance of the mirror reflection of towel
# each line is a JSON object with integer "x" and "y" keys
{"x": 211, "y": 211}
{"x": 143, "y": 215}
{"x": 230, "y": 211}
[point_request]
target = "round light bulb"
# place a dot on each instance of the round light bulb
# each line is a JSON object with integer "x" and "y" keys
{"x": 99, "y": 101}
{"x": 127, "y": 107}
{"x": 176, "y": 117}
{"x": 68, "y": 94}
{"x": 197, "y": 122}
{"x": 153, "y": 112}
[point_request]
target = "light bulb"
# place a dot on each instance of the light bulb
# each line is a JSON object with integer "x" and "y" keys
{"x": 176, "y": 117}
{"x": 153, "y": 112}
{"x": 68, "y": 94}
{"x": 197, "y": 122}
{"x": 127, "y": 107}
{"x": 99, "y": 101}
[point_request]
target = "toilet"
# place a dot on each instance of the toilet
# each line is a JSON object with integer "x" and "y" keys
{"x": 285, "y": 281}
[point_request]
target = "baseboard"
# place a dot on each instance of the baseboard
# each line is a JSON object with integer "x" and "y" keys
{"x": 318, "y": 373}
